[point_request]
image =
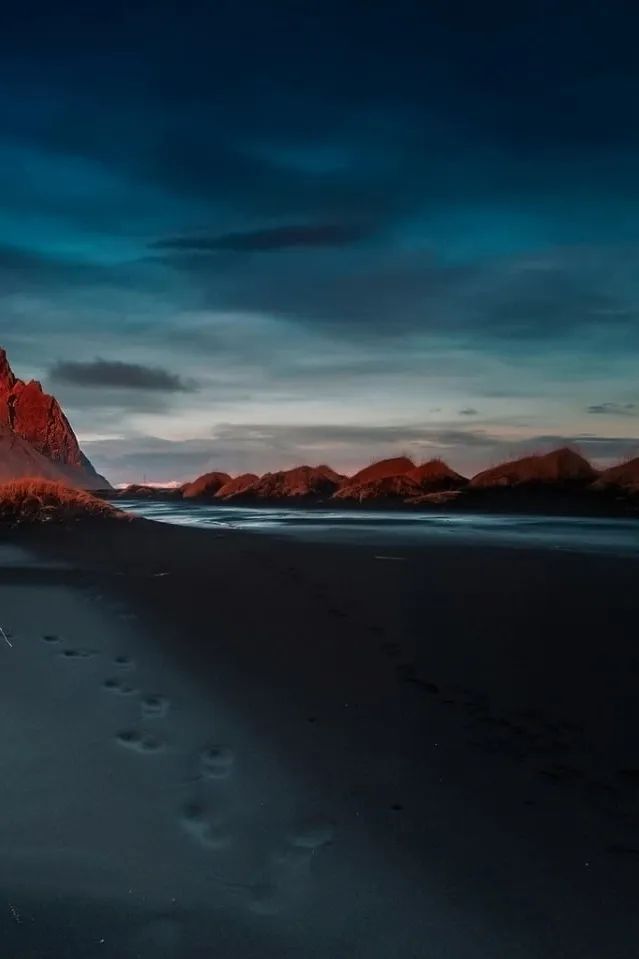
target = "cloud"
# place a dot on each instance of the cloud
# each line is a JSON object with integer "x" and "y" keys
{"x": 268, "y": 240}
{"x": 114, "y": 374}
{"x": 614, "y": 409}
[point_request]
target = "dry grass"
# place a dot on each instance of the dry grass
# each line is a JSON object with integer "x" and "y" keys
{"x": 43, "y": 501}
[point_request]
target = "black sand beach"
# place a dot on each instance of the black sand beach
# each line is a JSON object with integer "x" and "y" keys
{"x": 218, "y": 744}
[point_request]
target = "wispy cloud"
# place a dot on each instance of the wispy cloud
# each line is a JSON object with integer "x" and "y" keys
{"x": 614, "y": 409}
{"x": 269, "y": 240}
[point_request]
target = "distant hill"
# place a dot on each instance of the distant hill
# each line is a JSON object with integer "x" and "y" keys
{"x": 206, "y": 485}
{"x": 236, "y": 486}
{"x": 387, "y": 487}
{"x": 436, "y": 476}
{"x": 624, "y": 476}
{"x": 399, "y": 478}
{"x": 398, "y": 466}
{"x": 560, "y": 468}
{"x": 302, "y": 482}
{"x": 561, "y": 480}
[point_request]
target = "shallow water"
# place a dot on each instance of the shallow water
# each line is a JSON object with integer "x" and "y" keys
{"x": 581, "y": 534}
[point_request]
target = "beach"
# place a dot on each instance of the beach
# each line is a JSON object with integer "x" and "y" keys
{"x": 218, "y": 743}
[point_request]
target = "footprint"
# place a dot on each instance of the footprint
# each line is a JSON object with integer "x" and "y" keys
{"x": 406, "y": 673}
{"x": 629, "y": 776}
{"x": 124, "y": 662}
{"x": 617, "y": 849}
{"x": 77, "y": 653}
{"x": 289, "y": 870}
{"x": 118, "y": 687}
{"x": 265, "y": 899}
{"x": 313, "y": 833}
{"x": 338, "y": 613}
{"x": 160, "y": 936}
{"x": 391, "y": 650}
{"x": 154, "y": 707}
{"x": 50, "y": 638}
{"x": 197, "y": 822}
{"x": 216, "y": 762}
{"x": 139, "y": 742}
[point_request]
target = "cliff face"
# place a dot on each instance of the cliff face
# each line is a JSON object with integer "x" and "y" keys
{"x": 37, "y": 418}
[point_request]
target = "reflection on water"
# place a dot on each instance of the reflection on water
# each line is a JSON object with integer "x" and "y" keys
{"x": 584, "y": 534}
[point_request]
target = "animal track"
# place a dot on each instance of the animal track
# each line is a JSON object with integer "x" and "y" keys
{"x": 50, "y": 638}
{"x": 77, "y": 653}
{"x": 139, "y": 742}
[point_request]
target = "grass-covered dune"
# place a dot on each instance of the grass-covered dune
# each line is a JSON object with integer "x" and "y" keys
{"x": 45, "y": 501}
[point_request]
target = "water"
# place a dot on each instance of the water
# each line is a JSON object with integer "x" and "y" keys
{"x": 581, "y": 534}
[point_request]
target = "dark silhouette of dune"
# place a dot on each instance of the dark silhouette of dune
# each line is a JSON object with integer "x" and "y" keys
{"x": 388, "y": 487}
{"x": 436, "y": 476}
{"x": 561, "y": 480}
{"x": 560, "y": 468}
{"x": 237, "y": 485}
{"x": 623, "y": 476}
{"x": 302, "y": 482}
{"x": 205, "y": 486}
{"x": 397, "y": 466}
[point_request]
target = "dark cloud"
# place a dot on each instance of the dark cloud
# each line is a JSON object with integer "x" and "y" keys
{"x": 114, "y": 374}
{"x": 267, "y": 240}
{"x": 614, "y": 409}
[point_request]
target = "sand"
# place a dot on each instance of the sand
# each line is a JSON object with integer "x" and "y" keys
{"x": 218, "y": 744}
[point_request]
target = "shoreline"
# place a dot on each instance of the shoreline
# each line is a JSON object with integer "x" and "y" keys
{"x": 498, "y": 502}
{"x": 388, "y": 700}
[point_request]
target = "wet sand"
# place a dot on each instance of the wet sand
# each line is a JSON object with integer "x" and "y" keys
{"x": 225, "y": 744}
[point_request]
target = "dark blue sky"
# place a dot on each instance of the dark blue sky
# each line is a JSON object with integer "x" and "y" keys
{"x": 252, "y": 234}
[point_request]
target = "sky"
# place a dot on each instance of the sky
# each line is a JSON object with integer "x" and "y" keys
{"x": 246, "y": 235}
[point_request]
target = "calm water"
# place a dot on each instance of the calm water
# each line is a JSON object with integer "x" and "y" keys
{"x": 616, "y": 536}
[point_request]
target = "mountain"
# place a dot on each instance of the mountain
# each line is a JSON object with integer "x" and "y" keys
{"x": 624, "y": 476}
{"x": 562, "y": 467}
{"x": 206, "y": 485}
{"x": 36, "y": 418}
{"x": 19, "y": 460}
{"x": 302, "y": 482}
